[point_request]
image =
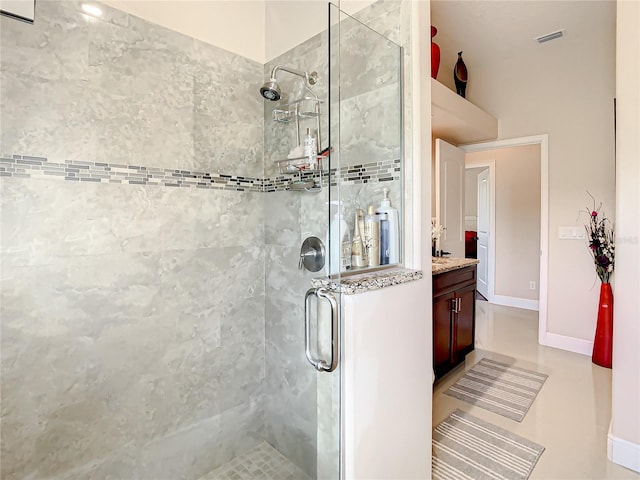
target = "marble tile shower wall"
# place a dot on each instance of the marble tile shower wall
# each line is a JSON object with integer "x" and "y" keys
{"x": 290, "y": 382}
{"x": 370, "y": 108}
{"x": 132, "y": 317}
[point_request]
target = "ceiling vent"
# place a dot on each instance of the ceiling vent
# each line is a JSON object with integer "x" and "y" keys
{"x": 550, "y": 36}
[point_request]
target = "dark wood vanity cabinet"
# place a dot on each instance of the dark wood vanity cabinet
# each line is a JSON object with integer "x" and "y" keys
{"x": 454, "y": 317}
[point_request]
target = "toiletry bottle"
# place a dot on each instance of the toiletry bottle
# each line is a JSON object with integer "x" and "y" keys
{"x": 372, "y": 237}
{"x": 384, "y": 238}
{"x": 360, "y": 221}
{"x": 345, "y": 243}
{"x": 310, "y": 150}
{"x": 339, "y": 242}
{"x": 357, "y": 249}
{"x": 394, "y": 227}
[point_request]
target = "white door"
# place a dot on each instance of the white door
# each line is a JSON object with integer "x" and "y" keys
{"x": 484, "y": 220}
{"x": 450, "y": 174}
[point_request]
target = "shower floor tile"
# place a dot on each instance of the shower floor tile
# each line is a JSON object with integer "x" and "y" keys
{"x": 260, "y": 463}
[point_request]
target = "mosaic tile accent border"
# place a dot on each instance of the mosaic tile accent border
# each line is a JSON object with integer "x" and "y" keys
{"x": 25, "y": 166}
{"x": 98, "y": 172}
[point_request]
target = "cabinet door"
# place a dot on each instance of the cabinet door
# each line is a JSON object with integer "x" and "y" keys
{"x": 442, "y": 333}
{"x": 464, "y": 321}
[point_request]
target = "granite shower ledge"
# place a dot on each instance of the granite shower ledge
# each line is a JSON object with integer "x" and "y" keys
{"x": 368, "y": 281}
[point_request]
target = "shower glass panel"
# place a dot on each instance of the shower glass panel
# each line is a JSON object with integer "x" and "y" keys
{"x": 302, "y": 404}
{"x": 365, "y": 111}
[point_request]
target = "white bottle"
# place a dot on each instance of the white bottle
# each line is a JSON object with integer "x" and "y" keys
{"x": 358, "y": 257}
{"x": 394, "y": 227}
{"x": 311, "y": 150}
{"x": 372, "y": 236}
{"x": 338, "y": 243}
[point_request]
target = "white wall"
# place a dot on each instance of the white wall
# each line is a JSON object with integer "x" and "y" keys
{"x": 565, "y": 90}
{"x": 237, "y": 26}
{"x": 387, "y": 383}
{"x": 624, "y": 437}
{"x": 290, "y": 22}
{"x": 517, "y": 219}
{"x": 257, "y": 29}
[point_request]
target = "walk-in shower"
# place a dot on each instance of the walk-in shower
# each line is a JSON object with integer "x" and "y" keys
{"x": 152, "y": 306}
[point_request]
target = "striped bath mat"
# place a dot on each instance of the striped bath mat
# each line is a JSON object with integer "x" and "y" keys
{"x": 500, "y": 388}
{"x": 467, "y": 448}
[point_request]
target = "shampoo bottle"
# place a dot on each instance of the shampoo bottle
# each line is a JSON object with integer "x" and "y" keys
{"x": 358, "y": 258}
{"x": 360, "y": 217}
{"x": 339, "y": 243}
{"x": 394, "y": 229}
{"x": 372, "y": 237}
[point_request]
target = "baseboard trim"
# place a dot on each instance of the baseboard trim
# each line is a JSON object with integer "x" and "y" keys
{"x": 623, "y": 452}
{"x": 570, "y": 344}
{"x": 516, "y": 302}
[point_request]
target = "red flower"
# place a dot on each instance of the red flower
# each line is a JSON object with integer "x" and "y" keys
{"x": 594, "y": 214}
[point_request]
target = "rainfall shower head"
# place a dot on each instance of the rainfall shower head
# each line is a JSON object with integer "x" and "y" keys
{"x": 271, "y": 90}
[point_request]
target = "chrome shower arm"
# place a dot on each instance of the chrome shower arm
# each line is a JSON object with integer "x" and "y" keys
{"x": 310, "y": 78}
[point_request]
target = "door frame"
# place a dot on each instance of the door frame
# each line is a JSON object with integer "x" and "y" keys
{"x": 543, "y": 282}
{"x": 491, "y": 264}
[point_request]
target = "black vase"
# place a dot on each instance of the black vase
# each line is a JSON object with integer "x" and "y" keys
{"x": 460, "y": 76}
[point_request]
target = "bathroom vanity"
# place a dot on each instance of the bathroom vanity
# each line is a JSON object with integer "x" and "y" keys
{"x": 454, "y": 311}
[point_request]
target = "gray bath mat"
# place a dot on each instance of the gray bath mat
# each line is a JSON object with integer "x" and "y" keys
{"x": 498, "y": 387}
{"x": 467, "y": 448}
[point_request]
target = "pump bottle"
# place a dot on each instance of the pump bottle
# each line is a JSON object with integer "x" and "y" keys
{"x": 394, "y": 230}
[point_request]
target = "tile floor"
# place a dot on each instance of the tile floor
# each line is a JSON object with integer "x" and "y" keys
{"x": 570, "y": 416}
{"x": 260, "y": 463}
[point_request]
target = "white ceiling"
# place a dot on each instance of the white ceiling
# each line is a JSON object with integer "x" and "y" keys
{"x": 490, "y": 30}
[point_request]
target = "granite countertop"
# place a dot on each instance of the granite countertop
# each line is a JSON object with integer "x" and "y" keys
{"x": 367, "y": 281}
{"x": 446, "y": 264}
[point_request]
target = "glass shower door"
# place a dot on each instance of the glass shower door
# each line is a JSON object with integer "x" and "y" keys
{"x": 359, "y": 145}
{"x": 365, "y": 158}
{"x": 365, "y": 134}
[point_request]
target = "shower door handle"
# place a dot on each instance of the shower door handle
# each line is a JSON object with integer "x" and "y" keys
{"x": 319, "y": 364}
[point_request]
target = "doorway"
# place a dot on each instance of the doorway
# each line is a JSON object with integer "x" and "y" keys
{"x": 477, "y": 217}
{"x": 485, "y": 161}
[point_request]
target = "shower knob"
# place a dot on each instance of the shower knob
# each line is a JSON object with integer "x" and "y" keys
{"x": 312, "y": 254}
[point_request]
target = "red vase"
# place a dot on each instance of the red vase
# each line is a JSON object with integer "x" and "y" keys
{"x": 603, "y": 341}
{"x": 435, "y": 54}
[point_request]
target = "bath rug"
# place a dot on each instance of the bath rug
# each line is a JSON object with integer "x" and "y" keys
{"x": 467, "y": 448}
{"x": 503, "y": 389}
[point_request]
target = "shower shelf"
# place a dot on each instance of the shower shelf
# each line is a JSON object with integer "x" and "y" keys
{"x": 288, "y": 165}
{"x": 307, "y": 107}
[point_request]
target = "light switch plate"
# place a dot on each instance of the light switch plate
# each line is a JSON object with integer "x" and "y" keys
{"x": 571, "y": 233}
